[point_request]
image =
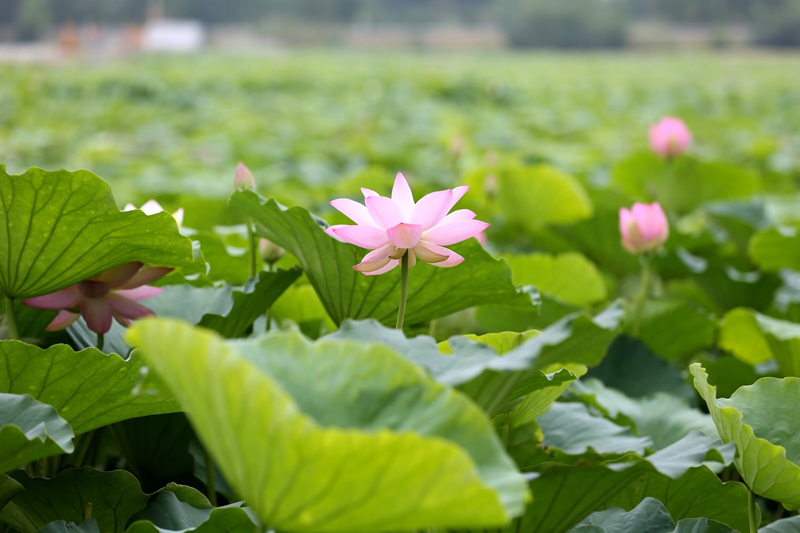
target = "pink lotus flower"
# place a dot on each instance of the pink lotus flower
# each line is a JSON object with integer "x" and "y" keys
{"x": 670, "y": 137}
{"x": 111, "y": 294}
{"x": 644, "y": 228}
{"x": 151, "y": 207}
{"x": 243, "y": 179}
{"x": 390, "y": 227}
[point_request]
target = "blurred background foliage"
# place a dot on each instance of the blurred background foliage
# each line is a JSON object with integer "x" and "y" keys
{"x": 569, "y": 24}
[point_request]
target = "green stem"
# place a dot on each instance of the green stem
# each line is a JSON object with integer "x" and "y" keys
{"x": 210, "y": 483}
{"x": 641, "y": 298}
{"x": 11, "y": 319}
{"x": 269, "y": 309}
{"x": 506, "y": 427}
{"x": 401, "y": 312}
{"x": 752, "y": 512}
{"x": 251, "y": 248}
{"x": 101, "y": 341}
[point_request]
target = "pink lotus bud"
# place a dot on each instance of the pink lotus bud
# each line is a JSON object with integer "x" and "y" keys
{"x": 644, "y": 228}
{"x": 269, "y": 251}
{"x": 243, "y": 178}
{"x": 670, "y": 137}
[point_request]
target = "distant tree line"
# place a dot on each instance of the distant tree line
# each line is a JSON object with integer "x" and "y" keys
{"x": 553, "y": 23}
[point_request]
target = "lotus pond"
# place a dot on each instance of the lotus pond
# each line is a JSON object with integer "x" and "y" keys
{"x": 439, "y": 293}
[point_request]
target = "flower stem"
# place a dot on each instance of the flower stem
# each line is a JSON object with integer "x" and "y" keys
{"x": 11, "y": 319}
{"x": 210, "y": 483}
{"x": 752, "y": 512}
{"x": 269, "y": 309}
{"x": 641, "y": 298}
{"x": 251, "y": 248}
{"x": 101, "y": 341}
{"x": 401, "y": 312}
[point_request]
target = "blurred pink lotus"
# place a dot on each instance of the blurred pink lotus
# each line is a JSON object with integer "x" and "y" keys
{"x": 111, "y": 294}
{"x": 670, "y": 137}
{"x": 243, "y": 179}
{"x": 644, "y": 227}
{"x": 392, "y": 227}
{"x": 151, "y": 207}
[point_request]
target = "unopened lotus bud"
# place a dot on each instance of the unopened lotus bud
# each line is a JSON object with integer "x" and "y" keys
{"x": 670, "y": 137}
{"x": 644, "y": 227}
{"x": 243, "y": 178}
{"x": 269, "y": 251}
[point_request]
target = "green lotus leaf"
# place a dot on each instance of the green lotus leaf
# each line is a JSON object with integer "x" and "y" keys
{"x": 63, "y": 227}
{"x": 375, "y": 438}
{"x": 676, "y": 331}
{"x": 328, "y": 264}
{"x": 755, "y": 338}
{"x": 685, "y": 183}
{"x": 536, "y": 196}
{"x": 760, "y": 419}
{"x": 632, "y": 368}
{"x": 598, "y": 239}
{"x": 494, "y": 380}
{"x": 30, "y": 430}
{"x": 156, "y": 448}
{"x": 729, "y": 282}
{"x": 565, "y": 495}
{"x": 88, "y": 389}
{"x": 650, "y": 516}
{"x": 60, "y": 526}
{"x": 570, "y": 427}
{"x": 8, "y": 488}
{"x": 663, "y": 417}
{"x": 775, "y": 248}
{"x": 785, "y": 525}
{"x": 165, "y": 512}
{"x": 115, "y": 497}
{"x": 569, "y": 277}
{"x": 250, "y": 303}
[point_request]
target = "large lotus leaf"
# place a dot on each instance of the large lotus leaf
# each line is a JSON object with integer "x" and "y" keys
{"x": 576, "y": 437}
{"x": 541, "y": 195}
{"x": 729, "y": 373}
{"x": 165, "y": 512}
{"x": 569, "y": 277}
{"x": 493, "y": 380}
{"x": 384, "y": 446}
{"x": 631, "y": 367}
{"x": 62, "y": 227}
{"x": 567, "y": 494}
{"x": 60, "y": 526}
{"x": 89, "y": 389}
{"x": 760, "y": 419}
{"x": 650, "y": 516}
{"x": 30, "y": 430}
{"x": 663, "y": 417}
{"x": 571, "y": 428}
{"x": 250, "y": 303}
{"x": 115, "y": 497}
{"x": 775, "y": 248}
{"x": 598, "y": 238}
{"x": 432, "y": 292}
{"x": 156, "y": 449}
{"x": 755, "y": 338}
{"x": 540, "y": 390}
{"x": 684, "y": 183}
{"x": 675, "y": 330}
{"x": 8, "y": 488}
{"x": 785, "y": 525}
{"x": 729, "y": 283}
